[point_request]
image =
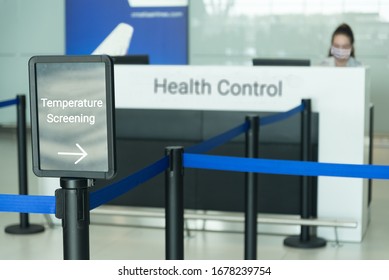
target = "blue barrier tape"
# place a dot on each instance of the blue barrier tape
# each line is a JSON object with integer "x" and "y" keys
{"x": 38, "y": 204}
{"x": 110, "y": 192}
{"x": 46, "y": 204}
{"x": 223, "y": 138}
{"x": 8, "y": 102}
{"x": 218, "y": 140}
{"x": 285, "y": 167}
{"x": 281, "y": 116}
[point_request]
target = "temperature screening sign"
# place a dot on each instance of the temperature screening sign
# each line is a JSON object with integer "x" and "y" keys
{"x": 64, "y": 104}
{"x": 72, "y": 116}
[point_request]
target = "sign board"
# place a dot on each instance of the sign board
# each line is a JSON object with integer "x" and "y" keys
{"x": 72, "y": 116}
{"x": 121, "y": 27}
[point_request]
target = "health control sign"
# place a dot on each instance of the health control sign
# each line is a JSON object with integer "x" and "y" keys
{"x": 232, "y": 88}
{"x": 72, "y": 116}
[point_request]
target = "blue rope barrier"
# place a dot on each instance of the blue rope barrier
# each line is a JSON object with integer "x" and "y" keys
{"x": 8, "y": 102}
{"x": 218, "y": 140}
{"x": 110, "y": 192}
{"x": 46, "y": 204}
{"x": 285, "y": 167}
{"x": 225, "y": 137}
{"x": 38, "y": 204}
{"x": 281, "y": 116}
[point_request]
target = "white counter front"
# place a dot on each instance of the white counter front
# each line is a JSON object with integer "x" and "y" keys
{"x": 339, "y": 95}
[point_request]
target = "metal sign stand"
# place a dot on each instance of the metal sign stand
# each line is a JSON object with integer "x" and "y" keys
{"x": 73, "y": 208}
{"x": 82, "y": 155}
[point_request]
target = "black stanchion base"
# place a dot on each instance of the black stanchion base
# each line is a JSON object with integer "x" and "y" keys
{"x": 313, "y": 242}
{"x": 31, "y": 229}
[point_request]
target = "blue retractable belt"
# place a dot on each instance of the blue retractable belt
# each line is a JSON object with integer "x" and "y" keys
{"x": 281, "y": 116}
{"x": 285, "y": 167}
{"x": 39, "y": 204}
{"x": 110, "y": 192}
{"x": 8, "y": 102}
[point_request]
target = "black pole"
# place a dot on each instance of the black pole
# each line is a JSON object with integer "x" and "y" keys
{"x": 371, "y": 143}
{"x": 306, "y": 155}
{"x": 251, "y": 191}
{"x": 72, "y": 206}
{"x": 174, "y": 204}
{"x": 24, "y": 227}
{"x": 305, "y": 239}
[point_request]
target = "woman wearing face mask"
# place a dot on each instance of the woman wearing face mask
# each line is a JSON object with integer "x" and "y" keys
{"x": 342, "y": 53}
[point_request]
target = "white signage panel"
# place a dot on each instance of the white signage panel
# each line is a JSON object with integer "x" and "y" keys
{"x": 203, "y": 88}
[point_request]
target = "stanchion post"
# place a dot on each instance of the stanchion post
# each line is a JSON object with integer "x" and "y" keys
{"x": 305, "y": 239}
{"x": 306, "y": 181}
{"x": 174, "y": 204}
{"x": 371, "y": 143}
{"x": 72, "y": 206}
{"x": 251, "y": 191}
{"x": 24, "y": 227}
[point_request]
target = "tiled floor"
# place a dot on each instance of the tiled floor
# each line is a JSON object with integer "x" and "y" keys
{"x": 119, "y": 242}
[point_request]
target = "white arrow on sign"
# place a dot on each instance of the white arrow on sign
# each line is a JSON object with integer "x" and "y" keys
{"x": 83, "y": 154}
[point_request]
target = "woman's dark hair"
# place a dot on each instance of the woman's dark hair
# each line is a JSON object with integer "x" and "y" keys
{"x": 344, "y": 29}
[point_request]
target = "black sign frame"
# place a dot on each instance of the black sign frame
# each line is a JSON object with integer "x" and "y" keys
{"x": 110, "y": 117}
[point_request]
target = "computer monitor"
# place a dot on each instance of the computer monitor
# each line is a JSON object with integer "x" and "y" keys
{"x": 131, "y": 59}
{"x": 280, "y": 62}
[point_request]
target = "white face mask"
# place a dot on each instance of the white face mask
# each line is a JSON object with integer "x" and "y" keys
{"x": 340, "y": 53}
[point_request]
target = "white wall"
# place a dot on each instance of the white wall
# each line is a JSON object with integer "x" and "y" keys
{"x": 27, "y": 28}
